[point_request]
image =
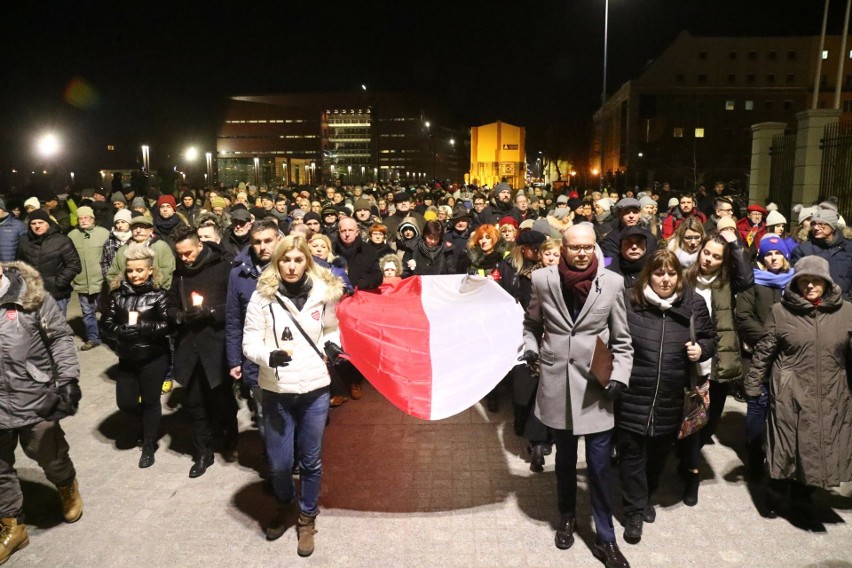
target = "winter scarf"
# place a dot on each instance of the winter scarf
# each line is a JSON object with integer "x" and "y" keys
{"x": 771, "y": 279}
{"x": 165, "y": 226}
{"x": 662, "y": 303}
{"x": 576, "y": 283}
{"x": 686, "y": 259}
{"x": 429, "y": 252}
{"x": 122, "y": 236}
{"x": 297, "y": 291}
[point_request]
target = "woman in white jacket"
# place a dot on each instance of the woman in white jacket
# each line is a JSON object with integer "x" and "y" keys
{"x": 293, "y": 375}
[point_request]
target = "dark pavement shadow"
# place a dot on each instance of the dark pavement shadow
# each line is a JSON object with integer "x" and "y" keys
{"x": 42, "y": 507}
{"x": 256, "y": 505}
{"x": 120, "y": 429}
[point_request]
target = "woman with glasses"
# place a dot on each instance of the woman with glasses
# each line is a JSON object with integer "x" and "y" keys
{"x": 686, "y": 241}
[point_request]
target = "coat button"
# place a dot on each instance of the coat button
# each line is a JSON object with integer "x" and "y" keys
{"x": 571, "y": 361}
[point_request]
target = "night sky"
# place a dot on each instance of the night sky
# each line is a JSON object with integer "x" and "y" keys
{"x": 157, "y": 73}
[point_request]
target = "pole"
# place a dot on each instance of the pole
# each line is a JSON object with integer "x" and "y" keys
{"x": 819, "y": 55}
{"x": 603, "y": 92}
{"x": 841, "y": 56}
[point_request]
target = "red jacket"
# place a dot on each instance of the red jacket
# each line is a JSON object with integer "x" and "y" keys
{"x": 750, "y": 233}
{"x": 673, "y": 221}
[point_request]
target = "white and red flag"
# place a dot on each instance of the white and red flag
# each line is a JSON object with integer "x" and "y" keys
{"x": 433, "y": 345}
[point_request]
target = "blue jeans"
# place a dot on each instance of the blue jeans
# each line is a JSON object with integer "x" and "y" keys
{"x": 89, "y": 305}
{"x": 756, "y": 411}
{"x": 305, "y": 414}
{"x": 597, "y": 462}
{"x": 63, "y": 306}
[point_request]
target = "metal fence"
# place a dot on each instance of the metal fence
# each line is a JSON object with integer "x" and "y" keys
{"x": 783, "y": 156}
{"x": 836, "y": 178}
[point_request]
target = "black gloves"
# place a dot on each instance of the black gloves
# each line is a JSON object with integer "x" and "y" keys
{"x": 529, "y": 356}
{"x": 198, "y": 313}
{"x": 333, "y": 352}
{"x": 61, "y": 403}
{"x": 613, "y": 390}
{"x": 127, "y": 332}
{"x": 279, "y": 358}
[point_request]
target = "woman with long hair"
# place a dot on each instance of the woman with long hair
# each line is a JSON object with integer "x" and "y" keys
{"x": 722, "y": 270}
{"x": 686, "y": 241}
{"x": 485, "y": 249}
{"x": 662, "y": 313}
{"x": 137, "y": 317}
{"x": 289, "y": 321}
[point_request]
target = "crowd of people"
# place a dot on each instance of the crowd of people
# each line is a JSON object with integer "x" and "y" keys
{"x": 238, "y": 286}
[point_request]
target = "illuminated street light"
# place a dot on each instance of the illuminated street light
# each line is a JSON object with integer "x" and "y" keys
{"x": 452, "y": 141}
{"x": 48, "y": 145}
{"x": 191, "y": 153}
{"x": 146, "y": 158}
{"x": 428, "y": 124}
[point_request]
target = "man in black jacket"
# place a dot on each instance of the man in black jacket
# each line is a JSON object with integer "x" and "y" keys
{"x": 199, "y": 294}
{"x": 52, "y": 254}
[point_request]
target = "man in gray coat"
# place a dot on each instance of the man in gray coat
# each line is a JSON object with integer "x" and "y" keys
{"x": 572, "y": 305}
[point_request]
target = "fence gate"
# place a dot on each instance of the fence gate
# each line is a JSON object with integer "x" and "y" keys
{"x": 836, "y": 175}
{"x": 783, "y": 159}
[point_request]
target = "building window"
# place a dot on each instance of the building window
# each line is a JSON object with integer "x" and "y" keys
{"x": 770, "y": 77}
{"x": 732, "y": 55}
{"x": 790, "y": 78}
{"x": 732, "y": 78}
{"x": 702, "y": 55}
{"x": 752, "y": 55}
{"x": 825, "y": 54}
{"x": 750, "y": 78}
{"x": 847, "y": 105}
{"x": 772, "y": 55}
{"x": 749, "y": 105}
{"x": 702, "y": 78}
{"x": 767, "y": 105}
{"x": 791, "y": 55}
{"x": 680, "y": 78}
{"x": 678, "y": 133}
{"x": 729, "y": 105}
{"x": 699, "y": 133}
{"x": 788, "y": 105}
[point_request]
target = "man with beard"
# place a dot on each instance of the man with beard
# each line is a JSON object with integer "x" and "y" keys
{"x": 188, "y": 208}
{"x": 402, "y": 201}
{"x": 237, "y": 236}
{"x": 632, "y": 255}
{"x": 722, "y": 207}
{"x": 686, "y": 208}
{"x": 242, "y": 281}
{"x": 52, "y": 254}
{"x": 501, "y": 204}
{"x": 199, "y": 296}
{"x": 629, "y": 213}
{"x": 459, "y": 232}
{"x": 166, "y": 219}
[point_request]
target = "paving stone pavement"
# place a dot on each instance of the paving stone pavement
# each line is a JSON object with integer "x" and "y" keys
{"x": 397, "y": 491}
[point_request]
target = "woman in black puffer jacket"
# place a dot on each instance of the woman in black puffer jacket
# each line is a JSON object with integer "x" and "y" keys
{"x": 649, "y": 411}
{"x": 428, "y": 255}
{"x": 142, "y": 345}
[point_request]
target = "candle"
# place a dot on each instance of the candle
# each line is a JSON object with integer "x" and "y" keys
{"x": 132, "y": 318}
{"x": 197, "y": 299}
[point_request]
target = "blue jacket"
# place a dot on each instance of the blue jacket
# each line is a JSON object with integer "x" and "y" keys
{"x": 838, "y": 253}
{"x": 11, "y": 230}
{"x": 241, "y": 285}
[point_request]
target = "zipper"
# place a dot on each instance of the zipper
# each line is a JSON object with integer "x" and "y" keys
{"x": 649, "y": 429}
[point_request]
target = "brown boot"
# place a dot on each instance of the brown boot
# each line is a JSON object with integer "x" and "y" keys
{"x": 13, "y": 537}
{"x": 72, "y": 503}
{"x": 306, "y": 529}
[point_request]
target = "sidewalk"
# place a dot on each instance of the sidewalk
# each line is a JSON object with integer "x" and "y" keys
{"x": 397, "y": 491}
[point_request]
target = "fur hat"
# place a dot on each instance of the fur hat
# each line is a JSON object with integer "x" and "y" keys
{"x": 775, "y": 218}
{"x": 362, "y": 204}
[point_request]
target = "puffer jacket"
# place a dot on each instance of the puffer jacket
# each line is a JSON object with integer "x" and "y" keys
{"x": 54, "y": 257}
{"x": 838, "y": 253}
{"x": 803, "y": 357}
{"x": 265, "y": 323}
{"x": 152, "y": 302}
{"x": 652, "y": 404}
{"x": 11, "y": 231}
{"x": 37, "y": 353}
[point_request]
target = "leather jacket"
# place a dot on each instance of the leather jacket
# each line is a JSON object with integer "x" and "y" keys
{"x": 152, "y": 303}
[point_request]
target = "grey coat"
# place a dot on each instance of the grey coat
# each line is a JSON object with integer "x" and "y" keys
{"x": 36, "y": 347}
{"x": 569, "y": 398}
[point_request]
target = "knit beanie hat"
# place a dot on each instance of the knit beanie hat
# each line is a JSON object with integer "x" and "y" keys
{"x": 218, "y": 202}
{"x": 605, "y": 203}
{"x": 38, "y": 214}
{"x": 167, "y": 200}
{"x": 646, "y": 201}
{"x": 32, "y": 202}
{"x": 775, "y": 218}
{"x": 542, "y": 226}
{"x": 805, "y": 213}
{"x": 312, "y": 215}
{"x": 118, "y": 196}
{"x": 725, "y": 223}
{"x": 138, "y": 203}
{"x": 85, "y": 211}
{"x": 826, "y": 212}
{"x": 773, "y": 242}
{"x": 507, "y": 221}
{"x": 122, "y": 215}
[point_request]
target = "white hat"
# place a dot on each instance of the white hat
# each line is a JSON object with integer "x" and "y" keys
{"x": 805, "y": 213}
{"x": 605, "y": 203}
{"x": 775, "y": 218}
{"x": 32, "y": 202}
{"x": 674, "y": 202}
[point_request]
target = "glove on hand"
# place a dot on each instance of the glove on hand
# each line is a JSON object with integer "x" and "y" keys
{"x": 61, "y": 403}
{"x": 333, "y": 352}
{"x": 613, "y": 390}
{"x": 279, "y": 358}
{"x": 529, "y": 356}
{"x": 127, "y": 332}
{"x": 198, "y": 313}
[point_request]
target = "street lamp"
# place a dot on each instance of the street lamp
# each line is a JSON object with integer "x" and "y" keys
{"x": 191, "y": 154}
{"x": 603, "y": 91}
{"x": 146, "y": 159}
{"x": 48, "y": 145}
{"x": 208, "y": 177}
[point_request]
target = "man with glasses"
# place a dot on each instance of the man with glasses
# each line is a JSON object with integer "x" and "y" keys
{"x": 481, "y": 212}
{"x": 826, "y": 240}
{"x": 722, "y": 207}
{"x": 686, "y": 208}
{"x": 753, "y": 227}
{"x": 579, "y": 302}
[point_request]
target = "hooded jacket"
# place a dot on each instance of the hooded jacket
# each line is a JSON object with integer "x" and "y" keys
{"x": 36, "y": 348}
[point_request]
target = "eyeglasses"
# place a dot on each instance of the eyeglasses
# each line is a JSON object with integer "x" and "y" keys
{"x": 577, "y": 248}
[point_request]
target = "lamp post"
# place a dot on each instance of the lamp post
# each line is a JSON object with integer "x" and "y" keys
{"x": 256, "y": 170}
{"x": 208, "y": 177}
{"x": 146, "y": 159}
{"x": 603, "y": 91}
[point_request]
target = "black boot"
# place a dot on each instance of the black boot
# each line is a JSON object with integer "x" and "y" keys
{"x": 633, "y": 527}
{"x": 202, "y": 462}
{"x": 802, "y": 512}
{"x": 148, "y": 449}
{"x": 777, "y": 498}
{"x": 520, "y": 419}
{"x": 755, "y": 462}
{"x": 537, "y": 458}
{"x": 690, "y": 490}
{"x": 565, "y": 532}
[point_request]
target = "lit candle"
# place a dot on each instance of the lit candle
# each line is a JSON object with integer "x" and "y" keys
{"x": 197, "y": 299}
{"x": 132, "y": 318}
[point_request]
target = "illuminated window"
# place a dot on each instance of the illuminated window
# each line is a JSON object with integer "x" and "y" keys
{"x": 749, "y": 105}
{"x": 730, "y": 105}
{"x": 678, "y": 133}
{"x": 825, "y": 54}
{"x": 699, "y": 133}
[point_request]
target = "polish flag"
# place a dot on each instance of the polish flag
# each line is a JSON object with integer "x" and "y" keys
{"x": 433, "y": 345}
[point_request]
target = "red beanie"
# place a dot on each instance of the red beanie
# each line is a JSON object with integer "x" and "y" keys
{"x": 169, "y": 199}
{"x": 507, "y": 221}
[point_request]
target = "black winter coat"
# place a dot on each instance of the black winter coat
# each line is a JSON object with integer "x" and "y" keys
{"x": 203, "y": 339}
{"x": 652, "y": 404}
{"x": 363, "y": 265}
{"x": 152, "y": 303}
{"x": 54, "y": 257}
{"x": 752, "y": 311}
{"x": 443, "y": 261}
{"x": 838, "y": 253}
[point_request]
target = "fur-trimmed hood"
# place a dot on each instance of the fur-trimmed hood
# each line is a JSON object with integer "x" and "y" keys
{"x": 27, "y": 287}
{"x": 333, "y": 285}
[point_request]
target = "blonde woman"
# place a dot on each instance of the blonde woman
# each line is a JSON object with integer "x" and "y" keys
{"x": 321, "y": 250}
{"x": 289, "y": 321}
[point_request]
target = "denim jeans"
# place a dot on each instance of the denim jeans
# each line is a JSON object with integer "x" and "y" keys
{"x": 63, "y": 306}
{"x": 88, "y": 305}
{"x": 756, "y": 411}
{"x": 304, "y": 414}
{"x": 598, "y": 447}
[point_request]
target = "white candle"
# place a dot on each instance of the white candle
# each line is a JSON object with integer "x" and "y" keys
{"x": 132, "y": 318}
{"x": 197, "y": 299}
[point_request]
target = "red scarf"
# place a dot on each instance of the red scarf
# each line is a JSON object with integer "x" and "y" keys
{"x": 576, "y": 284}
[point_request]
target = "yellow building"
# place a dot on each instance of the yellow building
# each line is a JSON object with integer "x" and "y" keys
{"x": 497, "y": 153}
